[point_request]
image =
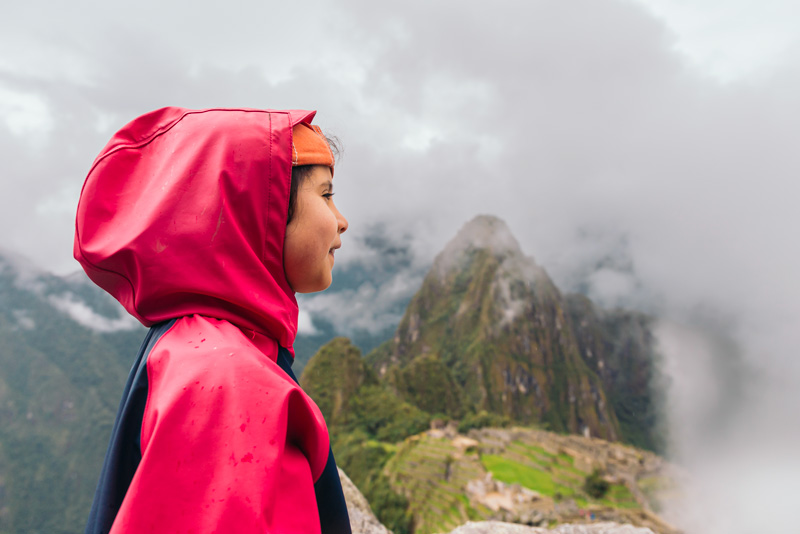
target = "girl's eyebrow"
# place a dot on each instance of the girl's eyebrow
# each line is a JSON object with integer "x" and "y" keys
{"x": 328, "y": 184}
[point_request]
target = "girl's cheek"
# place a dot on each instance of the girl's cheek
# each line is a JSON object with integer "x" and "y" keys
{"x": 332, "y": 219}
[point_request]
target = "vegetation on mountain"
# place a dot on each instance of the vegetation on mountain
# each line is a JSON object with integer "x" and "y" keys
{"x": 482, "y": 419}
{"x": 59, "y": 389}
{"x": 352, "y": 399}
{"x": 365, "y": 458}
{"x": 365, "y": 418}
{"x": 595, "y": 485}
{"x": 426, "y": 382}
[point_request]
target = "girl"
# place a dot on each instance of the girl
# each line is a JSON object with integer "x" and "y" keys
{"x": 183, "y": 219}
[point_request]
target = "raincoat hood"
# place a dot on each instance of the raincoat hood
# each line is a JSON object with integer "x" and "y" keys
{"x": 184, "y": 212}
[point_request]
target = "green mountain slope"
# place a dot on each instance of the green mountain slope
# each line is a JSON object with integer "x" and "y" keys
{"x": 59, "y": 389}
{"x": 619, "y": 347}
{"x": 364, "y": 419}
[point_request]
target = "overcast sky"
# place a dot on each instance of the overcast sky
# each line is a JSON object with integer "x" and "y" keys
{"x": 646, "y": 150}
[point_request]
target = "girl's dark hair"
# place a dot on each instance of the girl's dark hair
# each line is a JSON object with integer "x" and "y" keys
{"x": 299, "y": 175}
{"x": 301, "y": 172}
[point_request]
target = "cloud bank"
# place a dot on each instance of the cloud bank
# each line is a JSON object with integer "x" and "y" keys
{"x": 622, "y": 166}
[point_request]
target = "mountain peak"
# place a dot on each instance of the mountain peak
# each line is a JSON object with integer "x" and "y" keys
{"x": 489, "y": 232}
{"x": 485, "y": 232}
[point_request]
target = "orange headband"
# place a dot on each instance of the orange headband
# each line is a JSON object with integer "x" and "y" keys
{"x": 309, "y": 146}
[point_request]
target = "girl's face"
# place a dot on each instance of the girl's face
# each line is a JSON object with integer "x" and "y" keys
{"x": 312, "y": 235}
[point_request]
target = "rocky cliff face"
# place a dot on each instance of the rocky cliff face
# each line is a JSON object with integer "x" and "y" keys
{"x": 618, "y": 346}
{"x": 489, "y": 330}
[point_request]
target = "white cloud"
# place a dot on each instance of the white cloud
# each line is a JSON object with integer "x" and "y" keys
{"x": 87, "y": 317}
{"x": 609, "y": 288}
{"x": 731, "y": 40}
{"x": 25, "y": 113}
{"x": 24, "y": 319}
{"x": 305, "y": 324}
{"x": 370, "y": 308}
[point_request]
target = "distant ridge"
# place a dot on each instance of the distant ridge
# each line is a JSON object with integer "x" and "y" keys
{"x": 60, "y": 384}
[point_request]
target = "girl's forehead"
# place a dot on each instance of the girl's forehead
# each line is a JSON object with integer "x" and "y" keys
{"x": 321, "y": 175}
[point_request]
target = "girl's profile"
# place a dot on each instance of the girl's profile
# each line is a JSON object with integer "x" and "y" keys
{"x": 203, "y": 225}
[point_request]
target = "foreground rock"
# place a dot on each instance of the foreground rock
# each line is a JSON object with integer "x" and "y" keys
{"x": 362, "y": 520}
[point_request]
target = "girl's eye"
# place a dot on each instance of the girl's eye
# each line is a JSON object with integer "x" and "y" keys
{"x": 327, "y": 195}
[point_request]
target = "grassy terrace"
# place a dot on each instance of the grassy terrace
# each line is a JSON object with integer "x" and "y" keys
{"x": 554, "y": 475}
{"x": 512, "y": 472}
{"x": 433, "y": 474}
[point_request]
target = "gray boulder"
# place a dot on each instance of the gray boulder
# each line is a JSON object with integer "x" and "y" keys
{"x": 362, "y": 520}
